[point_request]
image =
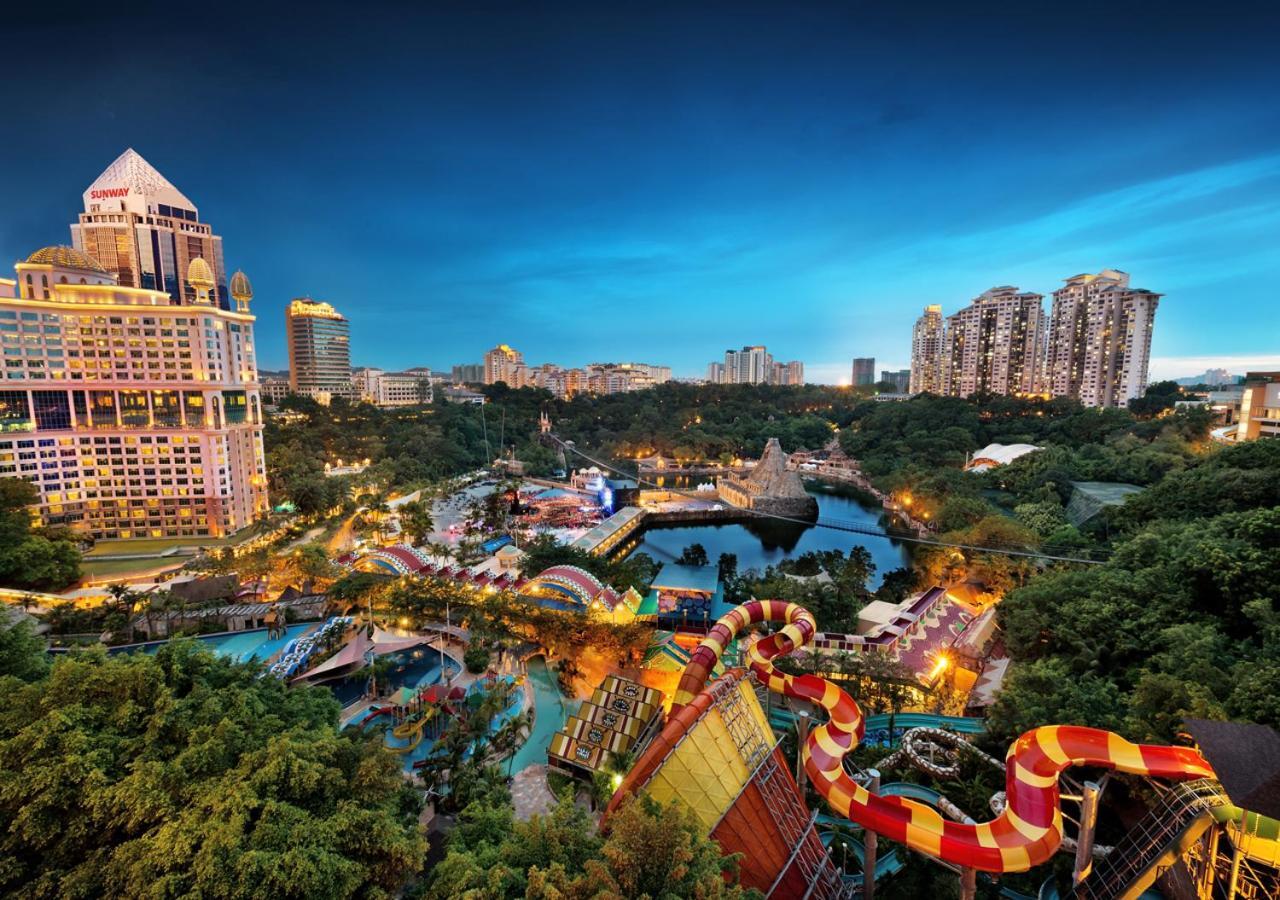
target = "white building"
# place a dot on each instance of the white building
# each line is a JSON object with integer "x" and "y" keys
{"x": 392, "y": 388}
{"x": 1100, "y": 339}
{"x": 926, "y": 352}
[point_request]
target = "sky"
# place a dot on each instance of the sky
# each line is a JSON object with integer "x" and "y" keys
{"x": 660, "y": 182}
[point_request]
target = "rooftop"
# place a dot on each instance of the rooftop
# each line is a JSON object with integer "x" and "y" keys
{"x": 687, "y": 578}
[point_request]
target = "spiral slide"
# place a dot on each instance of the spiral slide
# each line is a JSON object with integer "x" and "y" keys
{"x": 412, "y": 731}
{"x": 1029, "y": 830}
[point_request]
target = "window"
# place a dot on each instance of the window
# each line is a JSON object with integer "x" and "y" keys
{"x": 102, "y": 407}
{"x": 165, "y": 409}
{"x": 235, "y": 406}
{"x": 15, "y": 414}
{"x": 133, "y": 409}
{"x": 194, "y": 402}
{"x": 52, "y": 409}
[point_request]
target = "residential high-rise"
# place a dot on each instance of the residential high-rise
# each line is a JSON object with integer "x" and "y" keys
{"x": 900, "y": 379}
{"x": 501, "y": 364}
{"x": 750, "y": 365}
{"x": 864, "y": 371}
{"x": 1100, "y": 339}
{"x": 926, "y": 352}
{"x": 995, "y": 344}
{"x": 133, "y": 417}
{"x": 715, "y": 373}
{"x": 788, "y": 373}
{"x": 319, "y": 350}
{"x": 141, "y": 228}
{"x": 468, "y": 373}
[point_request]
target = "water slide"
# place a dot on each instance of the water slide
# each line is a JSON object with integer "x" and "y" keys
{"x": 782, "y": 717}
{"x": 374, "y": 713}
{"x": 1029, "y": 830}
{"x": 411, "y": 730}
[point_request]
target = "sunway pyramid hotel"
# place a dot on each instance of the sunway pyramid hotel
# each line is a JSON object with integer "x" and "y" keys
{"x": 130, "y": 393}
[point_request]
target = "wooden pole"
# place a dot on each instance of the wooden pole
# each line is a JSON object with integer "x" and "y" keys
{"x": 869, "y": 842}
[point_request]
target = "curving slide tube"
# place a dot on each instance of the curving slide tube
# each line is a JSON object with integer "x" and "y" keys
{"x": 1029, "y": 830}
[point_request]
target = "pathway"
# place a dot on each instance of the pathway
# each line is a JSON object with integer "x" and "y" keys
{"x": 530, "y": 795}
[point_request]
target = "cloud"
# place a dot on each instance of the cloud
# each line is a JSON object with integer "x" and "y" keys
{"x": 1166, "y": 367}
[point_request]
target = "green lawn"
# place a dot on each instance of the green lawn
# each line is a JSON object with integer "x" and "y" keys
{"x": 156, "y": 546}
{"x": 110, "y": 568}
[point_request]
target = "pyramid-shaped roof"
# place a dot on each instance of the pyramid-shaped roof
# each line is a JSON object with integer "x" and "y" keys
{"x": 771, "y": 478}
{"x": 130, "y": 183}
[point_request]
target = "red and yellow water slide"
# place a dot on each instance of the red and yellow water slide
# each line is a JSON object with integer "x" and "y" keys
{"x": 1026, "y": 834}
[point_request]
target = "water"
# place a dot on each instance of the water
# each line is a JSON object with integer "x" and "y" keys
{"x": 550, "y": 713}
{"x": 243, "y": 645}
{"x": 765, "y": 543}
{"x": 413, "y": 668}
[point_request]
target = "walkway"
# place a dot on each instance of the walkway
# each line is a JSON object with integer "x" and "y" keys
{"x": 530, "y": 795}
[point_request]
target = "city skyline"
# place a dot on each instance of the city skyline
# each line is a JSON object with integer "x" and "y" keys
{"x": 511, "y": 199}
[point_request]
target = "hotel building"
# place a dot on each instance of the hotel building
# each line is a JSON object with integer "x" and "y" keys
{"x": 319, "y": 350}
{"x": 133, "y": 417}
{"x": 1100, "y": 339}
{"x": 994, "y": 345}
{"x": 926, "y": 352}
{"x": 142, "y": 230}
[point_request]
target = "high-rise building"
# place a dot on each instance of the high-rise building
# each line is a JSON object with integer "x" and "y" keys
{"x": 319, "y": 350}
{"x": 926, "y": 352}
{"x": 995, "y": 344}
{"x": 468, "y": 373}
{"x": 788, "y": 373}
{"x": 900, "y": 379}
{"x": 1100, "y": 339}
{"x": 501, "y": 364}
{"x": 715, "y": 373}
{"x": 750, "y": 365}
{"x": 133, "y": 417}
{"x": 864, "y": 371}
{"x": 141, "y": 228}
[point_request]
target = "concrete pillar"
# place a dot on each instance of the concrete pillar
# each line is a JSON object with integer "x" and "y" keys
{"x": 968, "y": 883}
{"x": 1089, "y": 797}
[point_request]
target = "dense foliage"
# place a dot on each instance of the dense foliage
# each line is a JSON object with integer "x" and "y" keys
{"x": 1180, "y": 621}
{"x": 32, "y": 557}
{"x": 651, "y": 852}
{"x": 182, "y": 774}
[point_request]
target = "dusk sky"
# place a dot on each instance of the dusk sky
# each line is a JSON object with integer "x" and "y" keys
{"x": 589, "y": 184}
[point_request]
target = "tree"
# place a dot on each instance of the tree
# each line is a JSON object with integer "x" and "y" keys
{"x": 22, "y": 651}
{"x": 215, "y": 782}
{"x": 29, "y": 557}
{"x": 416, "y": 521}
{"x": 693, "y": 555}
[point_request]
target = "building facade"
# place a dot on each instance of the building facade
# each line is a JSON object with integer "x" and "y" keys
{"x": 900, "y": 379}
{"x": 715, "y": 373}
{"x": 133, "y": 417}
{"x": 750, "y": 365}
{"x": 141, "y": 229}
{"x": 995, "y": 345}
{"x": 864, "y": 371}
{"x": 319, "y": 350}
{"x": 926, "y": 352}
{"x": 502, "y": 364}
{"x": 392, "y": 388}
{"x": 1259, "y": 407}
{"x": 1100, "y": 339}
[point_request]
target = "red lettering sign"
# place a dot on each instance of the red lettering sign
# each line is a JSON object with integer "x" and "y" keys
{"x": 108, "y": 193}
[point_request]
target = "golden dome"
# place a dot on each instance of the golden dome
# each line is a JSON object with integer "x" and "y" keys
{"x": 66, "y": 258}
{"x": 199, "y": 275}
{"x": 241, "y": 289}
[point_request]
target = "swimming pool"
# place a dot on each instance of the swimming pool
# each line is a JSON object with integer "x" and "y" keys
{"x": 240, "y": 646}
{"x": 414, "y": 668}
{"x": 550, "y": 713}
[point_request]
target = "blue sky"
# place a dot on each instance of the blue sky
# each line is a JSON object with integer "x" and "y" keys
{"x": 587, "y": 183}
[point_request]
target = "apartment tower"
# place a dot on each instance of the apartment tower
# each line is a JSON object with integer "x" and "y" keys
{"x": 145, "y": 232}
{"x": 1100, "y": 339}
{"x": 319, "y": 350}
{"x": 502, "y": 364}
{"x": 995, "y": 344}
{"x": 133, "y": 417}
{"x": 926, "y": 352}
{"x": 864, "y": 371}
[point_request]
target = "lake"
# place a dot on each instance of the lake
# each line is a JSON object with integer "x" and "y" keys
{"x": 766, "y": 543}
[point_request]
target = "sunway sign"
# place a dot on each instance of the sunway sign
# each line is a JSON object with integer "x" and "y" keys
{"x": 107, "y": 193}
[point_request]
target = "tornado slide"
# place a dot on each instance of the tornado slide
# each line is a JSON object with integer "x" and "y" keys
{"x": 1029, "y": 830}
{"x": 411, "y": 731}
